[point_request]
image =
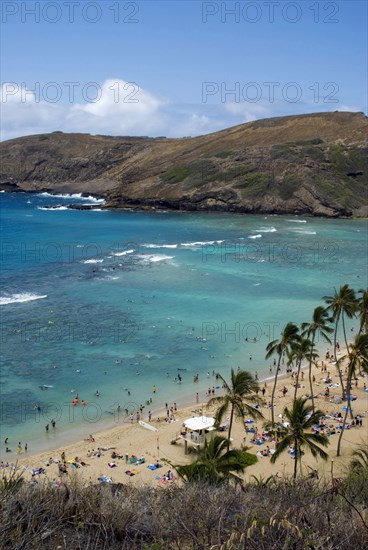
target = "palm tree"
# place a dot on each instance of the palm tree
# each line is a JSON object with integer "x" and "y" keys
{"x": 320, "y": 325}
{"x": 358, "y": 360}
{"x": 359, "y": 463}
{"x": 215, "y": 463}
{"x": 300, "y": 419}
{"x": 363, "y": 311}
{"x": 242, "y": 388}
{"x": 341, "y": 304}
{"x": 303, "y": 349}
{"x": 278, "y": 347}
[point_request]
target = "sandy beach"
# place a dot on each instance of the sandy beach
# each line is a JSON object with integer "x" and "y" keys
{"x": 166, "y": 446}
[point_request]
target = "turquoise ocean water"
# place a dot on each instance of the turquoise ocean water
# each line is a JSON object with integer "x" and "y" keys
{"x": 120, "y": 301}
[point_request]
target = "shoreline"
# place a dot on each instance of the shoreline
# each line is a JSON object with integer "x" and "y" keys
{"x": 166, "y": 446}
{"x": 153, "y": 208}
{"x": 74, "y": 436}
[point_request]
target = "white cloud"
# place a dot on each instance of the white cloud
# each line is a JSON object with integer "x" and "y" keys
{"x": 117, "y": 107}
{"x": 121, "y": 108}
{"x": 248, "y": 111}
{"x": 349, "y": 108}
{"x": 22, "y": 112}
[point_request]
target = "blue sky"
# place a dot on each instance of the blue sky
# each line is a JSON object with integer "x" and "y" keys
{"x": 176, "y": 67}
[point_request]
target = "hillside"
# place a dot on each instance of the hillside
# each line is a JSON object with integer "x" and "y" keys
{"x": 307, "y": 164}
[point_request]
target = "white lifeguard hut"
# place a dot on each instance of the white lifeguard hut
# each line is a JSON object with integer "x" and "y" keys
{"x": 198, "y": 430}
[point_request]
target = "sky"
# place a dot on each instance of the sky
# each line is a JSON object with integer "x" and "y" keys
{"x": 176, "y": 68}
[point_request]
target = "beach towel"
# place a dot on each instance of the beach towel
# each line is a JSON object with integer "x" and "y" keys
{"x": 154, "y": 466}
{"x": 104, "y": 479}
{"x": 37, "y": 471}
{"x": 56, "y": 484}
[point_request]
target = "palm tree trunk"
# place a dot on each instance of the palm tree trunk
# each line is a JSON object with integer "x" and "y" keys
{"x": 310, "y": 373}
{"x": 351, "y": 378}
{"x": 335, "y": 336}
{"x": 344, "y": 331}
{"x": 299, "y": 364}
{"x": 338, "y": 368}
{"x": 230, "y": 426}
{"x": 273, "y": 391}
{"x": 296, "y": 457}
{"x": 348, "y": 408}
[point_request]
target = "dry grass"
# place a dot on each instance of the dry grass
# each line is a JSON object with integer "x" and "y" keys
{"x": 308, "y": 514}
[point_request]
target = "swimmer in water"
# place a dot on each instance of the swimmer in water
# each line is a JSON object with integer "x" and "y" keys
{"x": 97, "y": 394}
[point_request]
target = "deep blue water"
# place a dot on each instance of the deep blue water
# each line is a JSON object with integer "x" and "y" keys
{"x": 119, "y": 301}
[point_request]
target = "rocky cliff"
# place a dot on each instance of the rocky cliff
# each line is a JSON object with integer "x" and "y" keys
{"x": 306, "y": 164}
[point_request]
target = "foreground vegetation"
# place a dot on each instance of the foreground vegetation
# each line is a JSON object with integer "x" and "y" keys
{"x": 277, "y": 514}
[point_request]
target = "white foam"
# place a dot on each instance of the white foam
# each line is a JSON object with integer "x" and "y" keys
{"x": 148, "y": 258}
{"x": 53, "y": 208}
{"x": 265, "y": 230}
{"x": 160, "y": 245}
{"x": 254, "y": 236}
{"x": 297, "y": 221}
{"x": 93, "y": 199}
{"x": 201, "y": 243}
{"x": 302, "y": 232}
{"x": 92, "y": 261}
{"x": 73, "y": 196}
{"x": 19, "y": 298}
{"x": 123, "y": 253}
